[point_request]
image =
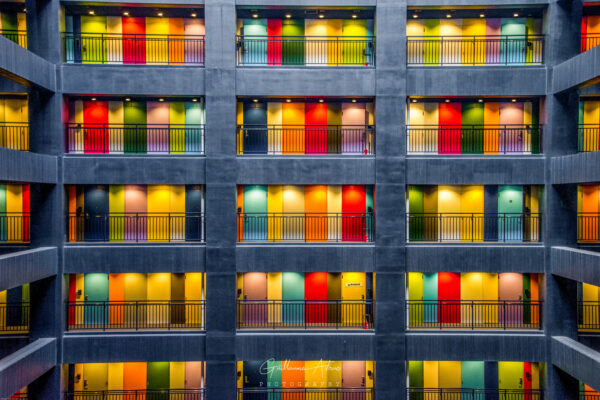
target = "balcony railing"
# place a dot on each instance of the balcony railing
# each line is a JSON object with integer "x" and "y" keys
{"x": 135, "y": 315}
{"x": 136, "y": 227}
{"x": 475, "y": 50}
{"x": 302, "y": 227}
{"x": 305, "y": 314}
{"x": 115, "y": 48}
{"x": 142, "y": 394}
{"x": 134, "y": 139}
{"x": 474, "y": 139}
{"x": 589, "y": 41}
{"x": 474, "y": 227}
{"x": 473, "y": 394}
{"x": 14, "y": 227}
{"x": 306, "y": 139}
{"x": 447, "y": 314}
{"x": 306, "y": 394}
{"x": 588, "y": 227}
{"x": 14, "y": 318}
{"x": 588, "y": 138}
{"x": 14, "y": 135}
{"x": 589, "y": 316}
{"x": 19, "y": 37}
{"x": 323, "y": 51}
{"x": 20, "y": 396}
{"x": 589, "y": 395}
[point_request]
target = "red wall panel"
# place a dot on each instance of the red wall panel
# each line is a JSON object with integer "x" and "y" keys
{"x": 316, "y": 139}
{"x": 449, "y": 290}
{"x": 134, "y": 43}
{"x": 315, "y": 288}
{"x": 274, "y": 29}
{"x": 353, "y": 208}
{"x": 449, "y": 139}
{"x": 95, "y": 118}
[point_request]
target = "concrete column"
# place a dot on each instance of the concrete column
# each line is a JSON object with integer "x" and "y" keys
{"x": 220, "y": 198}
{"x": 44, "y": 29}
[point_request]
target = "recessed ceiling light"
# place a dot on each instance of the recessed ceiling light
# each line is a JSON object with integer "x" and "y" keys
{"x": 481, "y": 15}
{"x": 126, "y": 13}
{"x": 514, "y": 100}
{"x": 93, "y": 99}
{"x": 161, "y": 99}
{"x": 288, "y": 15}
{"x": 480, "y": 100}
{"x": 354, "y": 100}
{"x": 255, "y": 15}
{"x": 448, "y": 15}
{"x": 91, "y": 12}
{"x": 255, "y": 100}
{"x": 160, "y": 14}
{"x": 354, "y": 16}
{"x": 414, "y": 100}
{"x": 193, "y": 15}
{"x": 127, "y": 99}
{"x": 288, "y": 100}
{"x": 515, "y": 15}
{"x": 415, "y": 16}
{"x": 321, "y": 100}
{"x": 194, "y": 99}
{"x": 447, "y": 100}
{"x": 321, "y": 16}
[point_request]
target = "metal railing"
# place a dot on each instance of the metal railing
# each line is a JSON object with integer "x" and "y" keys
{"x": 20, "y": 396}
{"x": 475, "y": 50}
{"x": 473, "y": 394}
{"x": 142, "y": 394}
{"x": 134, "y": 138}
{"x": 14, "y": 227}
{"x": 588, "y": 137}
{"x": 19, "y": 37}
{"x": 589, "y": 41}
{"x": 136, "y": 227}
{"x": 589, "y": 395}
{"x": 116, "y": 48}
{"x": 588, "y": 227}
{"x": 135, "y": 315}
{"x": 474, "y": 227}
{"x": 362, "y": 393}
{"x": 474, "y": 139}
{"x": 14, "y": 318}
{"x": 588, "y": 316}
{"x": 303, "y": 227}
{"x": 306, "y": 139}
{"x": 305, "y": 314}
{"x": 305, "y": 51}
{"x": 473, "y": 315}
{"x": 14, "y": 135}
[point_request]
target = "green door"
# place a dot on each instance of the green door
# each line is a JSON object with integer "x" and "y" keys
{"x": 96, "y": 298}
{"x": 472, "y": 377}
{"x": 293, "y": 297}
{"x": 472, "y": 128}
{"x": 293, "y": 42}
{"x": 134, "y": 118}
{"x": 158, "y": 381}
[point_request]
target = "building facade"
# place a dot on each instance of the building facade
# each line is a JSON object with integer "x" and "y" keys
{"x": 257, "y": 199}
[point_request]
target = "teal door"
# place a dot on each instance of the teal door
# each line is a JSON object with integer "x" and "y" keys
{"x": 513, "y": 46}
{"x": 255, "y": 213}
{"x": 472, "y": 378}
{"x": 96, "y": 298}
{"x": 510, "y": 213}
{"x": 255, "y": 42}
{"x": 430, "y": 296}
{"x": 293, "y": 297}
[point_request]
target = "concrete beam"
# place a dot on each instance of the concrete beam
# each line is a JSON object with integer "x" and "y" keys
{"x": 581, "y": 70}
{"x": 141, "y": 258}
{"x": 140, "y": 80}
{"x": 479, "y": 3}
{"x": 306, "y": 170}
{"x": 24, "y": 67}
{"x": 174, "y": 170}
{"x": 526, "y": 170}
{"x": 577, "y": 360}
{"x": 576, "y": 264}
{"x": 22, "y": 267}
{"x": 576, "y": 168}
{"x": 26, "y": 365}
{"x": 24, "y": 166}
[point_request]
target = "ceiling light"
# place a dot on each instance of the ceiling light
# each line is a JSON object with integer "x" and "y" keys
{"x": 354, "y": 100}
{"x": 93, "y": 99}
{"x": 127, "y": 99}
{"x": 91, "y": 12}
{"x": 321, "y": 100}
{"x": 288, "y": 100}
{"x": 480, "y": 100}
{"x": 414, "y": 100}
{"x": 448, "y": 15}
{"x": 354, "y": 16}
{"x": 126, "y": 13}
{"x": 415, "y": 16}
{"x": 24, "y": 10}
{"x": 481, "y": 15}
{"x": 515, "y": 15}
{"x": 255, "y": 15}
{"x": 255, "y": 100}
{"x": 288, "y": 15}
{"x": 447, "y": 100}
{"x": 514, "y": 100}
{"x": 194, "y": 99}
{"x": 193, "y": 15}
{"x": 161, "y": 99}
{"x": 321, "y": 16}
{"x": 160, "y": 14}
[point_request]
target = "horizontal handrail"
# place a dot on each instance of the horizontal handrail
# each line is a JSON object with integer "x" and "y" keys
{"x": 136, "y": 227}
{"x": 589, "y": 41}
{"x": 474, "y": 139}
{"x": 588, "y": 313}
{"x": 306, "y": 139}
{"x": 588, "y": 227}
{"x": 15, "y": 35}
{"x": 14, "y": 318}
{"x": 473, "y": 394}
{"x": 141, "y": 394}
{"x": 589, "y": 395}
{"x": 475, "y": 50}
{"x": 588, "y": 137}
{"x": 14, "y": 135}
{"x": 362, "y": 393}
{"x": 305, "y": 314}
{"x": 134, "y": 138}
{"x": 474, "y": 227}
{"x": 474, "y": 314}
{"x": 306, "y": 227}
{"x": 135, "y": 315}
{"x": 14, "y": 227}
{"x": 305, "y": 50}
{"x": 117, "y": 48}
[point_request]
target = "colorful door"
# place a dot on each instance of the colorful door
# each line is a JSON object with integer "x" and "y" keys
{"x": 510, "y": 213}
{"x": 158, "y": 384}
{"x": 255, "y": 213}
{"x": 510, "y": 295}
{"x": 316, "y": 295}
{"x": 96, "y": 298}
{"x": 449, "y": 298}
{"x": 293, "y": 297}
{"x": 255, "y": 124}
{"x": 255, "y": 43}
{"x": 353, "y": 213}
{"x": 256, "y": 309}
{"x": 353, "y": 377}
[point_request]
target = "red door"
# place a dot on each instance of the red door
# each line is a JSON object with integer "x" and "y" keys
{"x": 315, "y": 294}
{"x": 353, "y": 213}
{"x": 316, "y": 125}
{"x": 95, "y": 120}
{"x": 450, "y": 128}
{"x": 449, "y": 297}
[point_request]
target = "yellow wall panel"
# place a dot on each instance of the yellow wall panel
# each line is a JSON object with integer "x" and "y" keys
{"x": 274, "y": 117}
{"x": 177, "y": 375}
{"x": 274, "y": 292}
{"x": 315, "y": 374}
{"x": 95, "y": 376}
{"x": 194, "y": 286}
{"x": 275, "y": 206}
{"x": 135, "y": 287}
{"x": 449, "y": 374}
{"x": 471, "y": 202}
{"x": 334, "y": 374}
{"x": 334, "y": 52}
{"x": 431, "y": 374}
{"x": 115, "y": 376}
{"x": 334, "y": 205}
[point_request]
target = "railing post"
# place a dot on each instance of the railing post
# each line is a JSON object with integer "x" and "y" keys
{"x": 472, "y": 315}
{"x": 136, "y": 315}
